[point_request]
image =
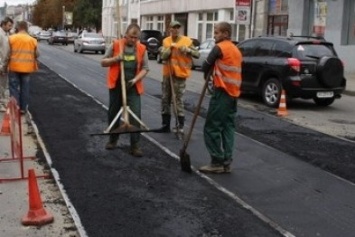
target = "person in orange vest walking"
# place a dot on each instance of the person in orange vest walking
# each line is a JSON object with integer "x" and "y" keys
{"x": 177, "y": 53}
{"x": 6, "y": 26}
{"x": 225, "y": 60}
{"x": 135, "y": 60}
{"x": 23, "y": 62}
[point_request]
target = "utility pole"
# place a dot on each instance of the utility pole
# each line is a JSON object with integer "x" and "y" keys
{"x": 63, "y": 14}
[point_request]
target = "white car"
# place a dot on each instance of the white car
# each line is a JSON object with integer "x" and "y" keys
{"x": 90, "y": 42}
{"x": 44, "y": 35}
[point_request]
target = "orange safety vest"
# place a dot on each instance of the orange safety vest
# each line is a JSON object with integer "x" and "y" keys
{"x": 180, "y": 63}
{"x": 228, "y": 70}
{"x": 23, "y": 53}
{"x": 114, "y": 70}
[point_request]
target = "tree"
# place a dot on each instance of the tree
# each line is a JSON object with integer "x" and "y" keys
{"x": 86, "y": 13}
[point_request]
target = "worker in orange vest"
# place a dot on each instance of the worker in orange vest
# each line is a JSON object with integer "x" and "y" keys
{"x": 6, "y": 26}
{"x": 176, "y": 54}
{"x": 23, "y": 62}
{"x": 225, "y": 60}
{"x": 135, "y": 58}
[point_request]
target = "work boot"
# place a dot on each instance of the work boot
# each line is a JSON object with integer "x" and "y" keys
{"x": 227, "y": 169}
{"x": 111, "y": 144}
{"x": 166, "y": 123}
{"x": 136, "y": 151}
{"x": 212, "y": 168}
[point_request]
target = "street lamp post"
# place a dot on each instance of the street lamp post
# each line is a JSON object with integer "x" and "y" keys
{"x": 63, "y": 22}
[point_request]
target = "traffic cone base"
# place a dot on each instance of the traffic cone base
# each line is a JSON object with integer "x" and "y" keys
{"x": 282, "y": 110}
{"x": 5, "y": 128}
{"x": 37, "y": 215}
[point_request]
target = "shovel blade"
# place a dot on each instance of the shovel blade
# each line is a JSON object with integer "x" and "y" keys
{"x": 185, "y": 161}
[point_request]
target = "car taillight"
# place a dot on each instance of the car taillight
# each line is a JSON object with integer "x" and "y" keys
{"x": 295, "y": 64}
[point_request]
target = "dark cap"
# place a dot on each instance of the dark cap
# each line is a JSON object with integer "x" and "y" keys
{"x": 175, "y": 24}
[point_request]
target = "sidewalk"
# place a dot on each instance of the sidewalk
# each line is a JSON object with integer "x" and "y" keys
{"x": 14, "y": 200}
{"x": 350, "y": 86}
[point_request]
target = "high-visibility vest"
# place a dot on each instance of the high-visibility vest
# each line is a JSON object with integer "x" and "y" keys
{"x": 228, "y": 70}
{"x": 180, "y": 63}
{"x": 114, "y": 71}
{"x": 23, "y": 53}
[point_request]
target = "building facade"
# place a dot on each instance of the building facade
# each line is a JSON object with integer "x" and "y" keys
{"x": 332, "y": 19}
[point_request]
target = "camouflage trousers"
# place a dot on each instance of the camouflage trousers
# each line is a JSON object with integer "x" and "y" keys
{"x": 179, "y": 85}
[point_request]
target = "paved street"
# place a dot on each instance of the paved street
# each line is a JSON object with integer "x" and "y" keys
{"x": 112, "y": 192}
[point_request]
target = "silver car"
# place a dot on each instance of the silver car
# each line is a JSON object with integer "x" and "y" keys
{"x": 90, "y": 42}
{"x": 204, "y": 49}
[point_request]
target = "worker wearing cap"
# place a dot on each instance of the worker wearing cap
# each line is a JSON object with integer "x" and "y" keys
{"x": 177, "y": 53}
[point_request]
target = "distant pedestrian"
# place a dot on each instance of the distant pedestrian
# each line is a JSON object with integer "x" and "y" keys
{"x": 225, "y": 60}
{"x": 6, "y": 26}
{"x": 135, "y": 65}
{"x": 23, "y": 62}
{"x": 177, "y": 53}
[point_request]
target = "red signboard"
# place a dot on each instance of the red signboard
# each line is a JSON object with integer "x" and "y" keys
{"x": 243, "y": 3}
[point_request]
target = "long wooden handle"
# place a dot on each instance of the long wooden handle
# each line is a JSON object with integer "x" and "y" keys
{"x": 197, "y": 112}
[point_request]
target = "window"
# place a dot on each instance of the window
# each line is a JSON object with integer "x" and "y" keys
{"x": 160, "y": 23}
{"x": 247, "y": 48}
{"x": 149, "y": 23}
{"x": 264, "y": 48}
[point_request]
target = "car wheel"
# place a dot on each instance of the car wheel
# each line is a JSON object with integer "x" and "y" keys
{"x": 323, "y": 101}
{"x": 271, "y": 92}
{"x": 103, "y": 51}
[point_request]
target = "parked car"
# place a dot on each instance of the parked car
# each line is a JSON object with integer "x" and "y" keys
{"x": 152, "y": 39}
{"x": 305, "y": 67}
{"x": 43, "y": 35}
{"x": 204, "y": 49}
{"x": 71, "y": 37}
{"x": 195, "y": 42}
{"x": 90, "y": 42}
{"x": 58, "y": 37}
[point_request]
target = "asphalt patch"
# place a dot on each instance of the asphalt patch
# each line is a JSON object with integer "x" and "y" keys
{"x": 116, "y": 194}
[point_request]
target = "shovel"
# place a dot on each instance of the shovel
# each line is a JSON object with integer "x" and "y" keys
{"x": 184, "y": 156}
{"x": 173, "y": 98}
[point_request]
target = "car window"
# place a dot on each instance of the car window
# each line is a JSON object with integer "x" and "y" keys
{"x": 306, "y": 51}
{"x": 146, "y": 34}
{"x": 282, "y": 50}
{"x": 264, "y": 48}
{"x": 247, "y": 48}
{"x": 92, "y": 35}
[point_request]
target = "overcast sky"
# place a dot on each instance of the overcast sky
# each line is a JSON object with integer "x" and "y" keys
{"x": 15, "y": 2}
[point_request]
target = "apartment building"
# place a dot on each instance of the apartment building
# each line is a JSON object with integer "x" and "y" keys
{"x": 332, "y": 19}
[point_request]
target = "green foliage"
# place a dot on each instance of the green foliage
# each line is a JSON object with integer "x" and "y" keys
{"x": 86, "y": 13}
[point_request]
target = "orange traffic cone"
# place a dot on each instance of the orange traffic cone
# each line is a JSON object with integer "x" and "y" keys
{"x": 37, "y": 215}
{"x": 282, "y": 111}
{"x": 5, "y": 128}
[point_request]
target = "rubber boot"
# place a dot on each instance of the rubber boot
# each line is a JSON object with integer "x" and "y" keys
{"x": 166, "y": 123}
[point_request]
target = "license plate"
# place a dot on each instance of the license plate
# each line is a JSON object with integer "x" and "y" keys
{"x": 325, "y": 94}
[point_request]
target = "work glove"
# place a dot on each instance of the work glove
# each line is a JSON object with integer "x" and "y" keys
{"x": 131, "y": 83}
{"x": 184, "y": 49}
{"x": 119, "y": 58}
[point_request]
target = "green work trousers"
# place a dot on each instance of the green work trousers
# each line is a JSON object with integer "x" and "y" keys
{"x": 134, "y": 103}
{"x": 220, "y": 127}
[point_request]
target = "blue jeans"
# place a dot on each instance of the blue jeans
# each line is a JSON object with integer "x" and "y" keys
{"x": 19, "y": 86}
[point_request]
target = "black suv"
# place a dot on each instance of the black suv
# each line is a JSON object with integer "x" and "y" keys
{"x": 305, "y": 67}
{"x": 152, "y": 39}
